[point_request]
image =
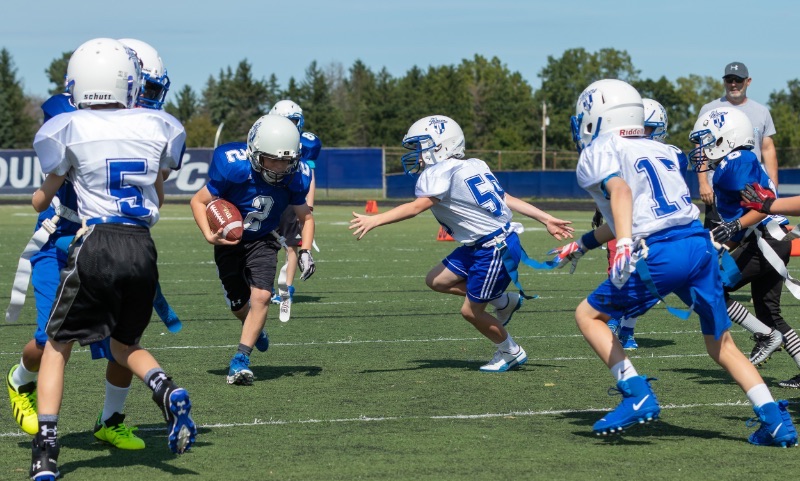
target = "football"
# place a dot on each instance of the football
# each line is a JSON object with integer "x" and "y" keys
{"x": 223, "y": 214}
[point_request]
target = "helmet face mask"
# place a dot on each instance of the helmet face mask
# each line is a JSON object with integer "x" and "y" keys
{"x": 655, "y": 117}
{"x": 155, "y": 81}
{"x": 290, "y": 110}
{"x": 103, "y": 71}
{"x": 273, "y": 137}
{"x": 432, "y": 139}
{"x": 717, "y": 133}
{"x": 607, "y": 106}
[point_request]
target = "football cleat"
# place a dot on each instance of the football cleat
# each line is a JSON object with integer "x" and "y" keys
{"x": 23, "y": 404}
{"x": 239, "y": 372}
{"x": 776, "y": 426}
{"x": 44, "y": 461}
{"x": 181, "y": 430}
{"x": 113, "y": 431}
{"x": 627, "y": 340}
{"x": 514, "y": 304}
{"x": 613, "y": 324}
{"x": 766, "y": 344}
{"x": 285, "y": 312}
{"x": 639, "y": 405}
{"x": 503, "y": 361}
{"x": 793, "y": 383}
{"x": 262, "y": 343}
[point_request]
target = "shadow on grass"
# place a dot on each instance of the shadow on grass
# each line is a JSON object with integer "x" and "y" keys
{"x": 452, "y": 364}
{"x": 156, "y": 455}
{"x": 640, "y": 434}
{"x": 719, "y": 375}
{"x": 266, "y": 373}
{"x": 646, "y": 343}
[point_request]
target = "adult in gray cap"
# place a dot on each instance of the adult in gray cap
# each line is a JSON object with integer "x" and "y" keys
{"x": 736, "y": 79}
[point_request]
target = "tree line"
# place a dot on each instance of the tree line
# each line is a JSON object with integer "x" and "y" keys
{"x": 358, "y": 107}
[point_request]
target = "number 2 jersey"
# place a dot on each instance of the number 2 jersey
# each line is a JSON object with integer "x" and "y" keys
{"x": 651, "y": 169}
{"x": 113, "y": 158}
{"x": 471, "y": 202}
{"x": 231, "y": 177}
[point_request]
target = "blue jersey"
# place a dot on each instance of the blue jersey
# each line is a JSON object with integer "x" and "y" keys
{"x": 57, "y": 104}
{"x": 310, "y": 145}
{"x": 738, "y": 168}
{"x": 231, "y": 177}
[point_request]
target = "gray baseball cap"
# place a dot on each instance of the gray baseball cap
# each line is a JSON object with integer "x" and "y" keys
{"x": 736, "y": 69}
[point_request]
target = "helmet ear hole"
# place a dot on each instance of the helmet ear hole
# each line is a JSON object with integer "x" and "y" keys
{"x": 589, "y": 127}
{"x": 719, "y": 141}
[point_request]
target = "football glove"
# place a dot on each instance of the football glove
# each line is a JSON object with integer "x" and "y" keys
{"x": 571, "y": 252}
{"x": 306, "y": 264}
{"x": 757, "y": 198}
{"x": 725, "y": 231}
{"x": 621, "y": 265}
{"x": 597, "y": 219}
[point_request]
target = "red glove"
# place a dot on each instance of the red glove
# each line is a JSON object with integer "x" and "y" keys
{"x": 757, "y": 198}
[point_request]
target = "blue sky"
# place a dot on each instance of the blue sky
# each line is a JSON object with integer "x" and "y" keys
{"x": 198, "y": 38}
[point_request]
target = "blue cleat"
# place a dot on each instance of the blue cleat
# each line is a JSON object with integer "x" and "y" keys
{"x": 627, "y": 340}
{"x": 262, "y": 343}
{"x": 165, "y": 312}
{"x": 776, "y": 426}
{"x": 639, "y": 405}
{"x": 181, "y": 428}
{"x": 239, "y": 372}
{"x": 613, "y": 324}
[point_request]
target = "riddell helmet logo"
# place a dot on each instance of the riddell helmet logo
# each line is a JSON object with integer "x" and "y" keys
{"x": 96, "y": 96}
{"x": 631, "y": 132}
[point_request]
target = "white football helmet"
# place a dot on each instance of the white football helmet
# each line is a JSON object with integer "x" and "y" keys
{"x": 717, "y": 133}
{"x": 290, "y": 110}
{"x": 274, "y": 137}
{"x": 655, "y": 117}
{"x": 103, "y": 71}
{"x": 155, "y": 83}
{"x": 432, "y": 139}
{"x": 607, "y": 106}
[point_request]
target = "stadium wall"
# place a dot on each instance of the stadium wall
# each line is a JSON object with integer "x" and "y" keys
{"x": 359, "y": 168}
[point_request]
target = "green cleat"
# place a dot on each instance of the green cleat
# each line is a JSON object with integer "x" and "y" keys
{"x": 113, "y": 431}
{"x": 23, "y": 404}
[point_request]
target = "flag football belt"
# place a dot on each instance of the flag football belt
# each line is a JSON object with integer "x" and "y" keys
{"x": 22, "y": 278}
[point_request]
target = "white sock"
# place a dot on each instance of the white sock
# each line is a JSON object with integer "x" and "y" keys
{"x": 760, "y": 395}
{"x": 501, "y": 302}
{"x": 22, "y": 376}
{"x": 115, "y": 400}
{"x": 628, "y": 323}
{"x": 508, "y": 345}
{"x": 623, "y": 370}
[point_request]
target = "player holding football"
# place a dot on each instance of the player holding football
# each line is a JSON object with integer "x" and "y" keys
{"x": 467, "y": 200}
{"x": 46, "y": 262}
{"x": 113, "y": 154}
{"x": 659, "y": 235}
{"x": 261, "y": 178}
{"x": 289, "y": 226}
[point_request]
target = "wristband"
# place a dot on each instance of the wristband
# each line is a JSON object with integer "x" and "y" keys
{"x": 589, "y": 241}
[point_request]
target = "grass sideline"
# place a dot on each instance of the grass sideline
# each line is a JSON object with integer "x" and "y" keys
{"x": 375, "y": 376}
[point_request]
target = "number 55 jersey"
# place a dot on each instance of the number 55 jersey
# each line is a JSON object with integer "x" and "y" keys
{"x": 651, "y": 169}
{"x": 471, "y": 201}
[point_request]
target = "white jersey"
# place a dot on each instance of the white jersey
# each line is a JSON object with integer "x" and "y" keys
{"x": 112, "y": 158}
{"x": 471, "y": 202}
{"x": 661, "y": 197}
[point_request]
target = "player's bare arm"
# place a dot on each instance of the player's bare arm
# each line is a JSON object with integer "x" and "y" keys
{"x": 306, "y": 218}
{"x": 44, "y": 194}
{"x": 199, "y": 202}
{"x": 770, "y": 158}
{"x": 558, "y": 228}
{"x": 621, "y": 206}
{"x": 361, "y": 224}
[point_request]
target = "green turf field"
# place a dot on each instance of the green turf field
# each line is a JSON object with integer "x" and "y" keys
{"x": 375, "y": 376}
